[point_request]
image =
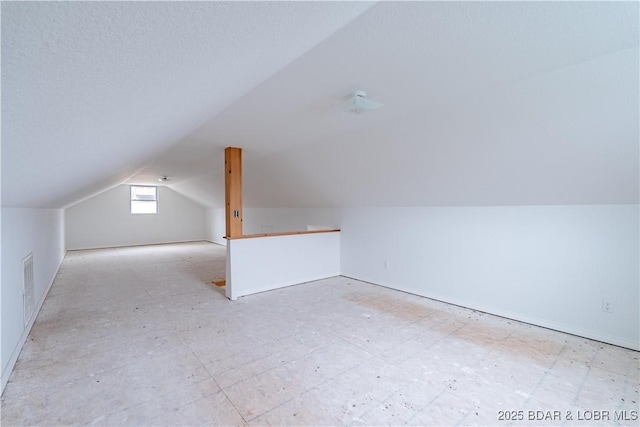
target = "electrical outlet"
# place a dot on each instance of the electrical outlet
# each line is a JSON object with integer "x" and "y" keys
{"x": 386, "y": 265}
{"x": 607, "y": 306}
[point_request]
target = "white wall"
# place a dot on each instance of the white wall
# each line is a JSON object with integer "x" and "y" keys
{"x": 276, "y": 220}
{"x": 215, "y": 228}
{"x": 24, "y": 231}
{"x": 547, "y": 265}
{"x": 265, "y": 263}
{"x": 105, "y": 221}
{"x": 271, "y": 220}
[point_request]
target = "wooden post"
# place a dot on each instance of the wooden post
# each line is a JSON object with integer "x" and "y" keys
{"x": 233, "y": 191}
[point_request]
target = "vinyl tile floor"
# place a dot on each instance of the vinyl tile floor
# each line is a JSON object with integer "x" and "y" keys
{"x": 140, "y": 336}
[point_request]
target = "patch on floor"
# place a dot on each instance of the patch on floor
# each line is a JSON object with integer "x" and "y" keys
{"x": 220, "y": 283}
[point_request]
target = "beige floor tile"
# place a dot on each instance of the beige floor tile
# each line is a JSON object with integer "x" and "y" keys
{"x": 616, "y": 360}
{"x": 213, "y": 410}
{"x": 282, "y": 353}
{"x": 404, "y": 404}
{"x": 144, "y": 413}
{"x": 348, "y": 401}
{"x": 446, "y": 409}
{"x": 304, "y": 410}
{"x": 268, "y": 390}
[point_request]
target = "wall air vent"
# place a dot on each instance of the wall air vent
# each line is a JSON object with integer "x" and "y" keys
{"x": 28, "y": 288}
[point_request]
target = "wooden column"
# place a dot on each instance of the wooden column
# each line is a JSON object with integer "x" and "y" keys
{"x": 233, "y": 191}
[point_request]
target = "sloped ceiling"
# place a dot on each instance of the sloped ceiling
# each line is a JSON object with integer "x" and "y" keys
{"x": 92, "y": 92}
{"x": 502, "y": 103}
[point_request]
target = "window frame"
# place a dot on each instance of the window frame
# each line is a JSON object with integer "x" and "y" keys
{"x": 155, "y": 200}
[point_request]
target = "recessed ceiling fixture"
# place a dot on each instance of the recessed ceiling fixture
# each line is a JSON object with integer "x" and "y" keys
{"x": 358, "y": 102}
{"x": 164, "y": 179}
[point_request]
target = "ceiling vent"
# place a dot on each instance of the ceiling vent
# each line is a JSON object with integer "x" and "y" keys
{"x": 358, "y": 102}
{"x": 164, "y": 179}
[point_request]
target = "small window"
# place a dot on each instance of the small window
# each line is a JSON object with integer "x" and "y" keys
{"x": 144, "y": 200}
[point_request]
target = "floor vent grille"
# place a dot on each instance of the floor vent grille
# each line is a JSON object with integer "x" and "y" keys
{"x": 28, "y": 288}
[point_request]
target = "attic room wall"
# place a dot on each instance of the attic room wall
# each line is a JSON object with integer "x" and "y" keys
{"x": 279, "y": 220}
{"x": 546, "y": 265}
{"x": 271, "y": 220}
{"x": 215, "y": 228}
{"x": 105, "y": 221}
{"x": 24, "y": 231}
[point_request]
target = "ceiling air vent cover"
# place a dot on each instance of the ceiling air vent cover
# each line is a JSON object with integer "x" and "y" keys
{"x": 358, "y": 102}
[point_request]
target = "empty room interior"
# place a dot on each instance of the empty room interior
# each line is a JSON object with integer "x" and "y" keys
{"x": 320, "y": 213}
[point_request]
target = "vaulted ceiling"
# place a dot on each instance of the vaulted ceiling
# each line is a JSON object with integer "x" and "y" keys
{"x": 504, "y": 103}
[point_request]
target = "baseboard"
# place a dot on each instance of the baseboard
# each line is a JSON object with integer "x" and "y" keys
{"x": 224, "y": 243}
{"x": 544, "y": 323}
{"x": 136, "y": 245}
{"x": 8, "y": 370}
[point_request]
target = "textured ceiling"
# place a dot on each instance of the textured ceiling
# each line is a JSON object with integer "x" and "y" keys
{"x": 500, "y": 103}
{"x": 94, "y": 91}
